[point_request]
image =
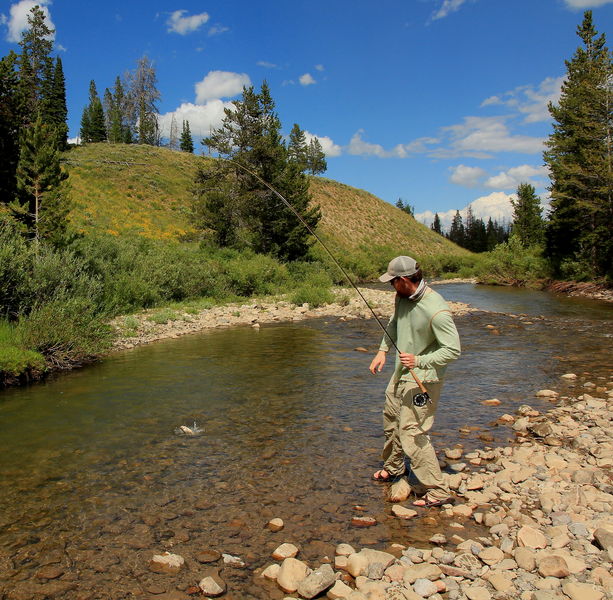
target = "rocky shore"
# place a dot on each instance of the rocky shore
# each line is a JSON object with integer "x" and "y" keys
{"x": 544, "y": 508}
{"x": 255, "y": 313}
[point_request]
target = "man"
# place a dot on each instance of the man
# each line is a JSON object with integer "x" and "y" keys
{"x": 423, "y": 329}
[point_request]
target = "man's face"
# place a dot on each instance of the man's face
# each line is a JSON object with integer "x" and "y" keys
{"x": 404, "y": 286}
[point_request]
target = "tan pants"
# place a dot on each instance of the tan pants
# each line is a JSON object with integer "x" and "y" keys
{"x": 406, "y": 432}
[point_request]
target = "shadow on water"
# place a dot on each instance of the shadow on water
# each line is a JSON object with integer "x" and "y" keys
{"x": 90, "y": 463}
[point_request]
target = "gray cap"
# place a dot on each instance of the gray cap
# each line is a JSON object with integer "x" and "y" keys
{"x": 401, "y": 266}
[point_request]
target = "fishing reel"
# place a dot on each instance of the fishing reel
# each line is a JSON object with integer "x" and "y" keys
{"x": 421, "y": 399}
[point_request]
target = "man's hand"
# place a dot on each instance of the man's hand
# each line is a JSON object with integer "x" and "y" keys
{"x": 377, "y": 362}
{"x": 407, "y": 360}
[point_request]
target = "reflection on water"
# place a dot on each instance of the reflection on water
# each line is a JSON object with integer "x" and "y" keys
{"x": 89, "y": 462}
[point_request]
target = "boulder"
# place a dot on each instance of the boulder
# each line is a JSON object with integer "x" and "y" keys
{"x": 213, "y": 586}
{"x": 285, "y": 551}
{"x": 491, "y": 556}
{"x": 316, "y": 582}
{"x": 166, "y": 563}
{"x": 403, "y": 513}
{"x": 422, "y": 571}
{"x": 582, "y": 591}
{"x": 529, "y": 537}
{"x": 275, "y": 524}
{"x": 553, "y": 566}
{"x": 425, "y": 588}
{"x": 339, "y": 590}
{"x": 291, "y": 573}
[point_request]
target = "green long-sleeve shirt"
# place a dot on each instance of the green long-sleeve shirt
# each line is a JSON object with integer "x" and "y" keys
{"x": 426, "y": 329}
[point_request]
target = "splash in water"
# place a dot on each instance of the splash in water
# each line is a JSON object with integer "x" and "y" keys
{"x": 185, "y": 430}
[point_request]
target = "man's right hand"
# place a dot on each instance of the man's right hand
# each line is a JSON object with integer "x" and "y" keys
{"x": 377, "y": 363}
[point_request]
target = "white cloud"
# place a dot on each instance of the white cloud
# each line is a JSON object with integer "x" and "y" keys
{"x": 466, "y": 176}
{"x": 306, "y": 79}
{"x": 480, "y": 136}
{"x": 580, "y": 4}
{"x": 319, "y": 68}
{"x": 266, "y": 64}
{"x": 448, "y": 7}
{"x": 202, "y": 118}
{"x": 496, "y": 205}
{"x": 177, "y": 23}
{"x": 18, "y": 20}
{"x": 327, "y": 145}
{"x": 529, "y": 100}
{"x": 220, "y": 84}
{"x": 357, "y": 146}
{"x": 511, "y": 178}
{"x": 217, "y": 30}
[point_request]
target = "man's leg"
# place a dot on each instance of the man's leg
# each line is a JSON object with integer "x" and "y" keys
{"x": 414, "y": 424}
{"x": 392, "y": 455}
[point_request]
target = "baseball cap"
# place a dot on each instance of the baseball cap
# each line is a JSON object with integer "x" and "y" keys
{"x": 401, "y": 266}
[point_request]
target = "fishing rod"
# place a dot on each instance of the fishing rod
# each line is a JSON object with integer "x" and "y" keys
{"x": 418, "y": 399}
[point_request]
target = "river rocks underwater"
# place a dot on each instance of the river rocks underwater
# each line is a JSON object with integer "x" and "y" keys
{"x": 102, "y": 499}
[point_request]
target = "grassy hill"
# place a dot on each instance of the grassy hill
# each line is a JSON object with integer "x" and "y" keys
{"x": 147, "y": 190}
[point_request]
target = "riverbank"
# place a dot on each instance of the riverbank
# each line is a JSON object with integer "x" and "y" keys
{"x": 157, "y": 324}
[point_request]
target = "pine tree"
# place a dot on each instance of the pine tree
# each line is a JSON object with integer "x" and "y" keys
{"x": 35, "y": 64}
{"x": 297, "y": 148}
{"x": 456, "y": 232}
{"x": 186, "y": 143}
{"x": 58, "y": 111}
{"x": 41, "y": 206}
{"x": 237, "y": 207}
{"x": 11, "y": 119}
{"x": 436, "y": 224}
{"x": 93, "y": 128}
{"x": 115, "y": 113}
{"x": 316, "y": 157}
{"x": 580, "y": 157}
{"x": 528, "y": 224}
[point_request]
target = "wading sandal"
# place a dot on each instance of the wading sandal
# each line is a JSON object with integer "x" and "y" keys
{"x": 388, "y": 477}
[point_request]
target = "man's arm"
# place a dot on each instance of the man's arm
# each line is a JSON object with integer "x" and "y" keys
{"x": 446, "y": 334}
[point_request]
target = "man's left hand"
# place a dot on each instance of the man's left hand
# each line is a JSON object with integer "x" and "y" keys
{"x": 407, "y": 360}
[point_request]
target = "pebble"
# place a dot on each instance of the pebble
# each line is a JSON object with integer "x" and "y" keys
{"x": 166, "y": 563}
{"x": 275, "y": 524}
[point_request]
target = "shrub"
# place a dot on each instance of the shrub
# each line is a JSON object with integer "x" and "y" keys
{"x": 67, "y": 331}
{"x": 512, "y": 263}
{"x": 313, "y": 296}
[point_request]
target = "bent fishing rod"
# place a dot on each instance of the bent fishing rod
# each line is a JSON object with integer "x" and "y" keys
{"x": 424, "y": 392}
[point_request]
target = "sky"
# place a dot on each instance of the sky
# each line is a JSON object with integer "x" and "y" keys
{"x": 441, "y": 103}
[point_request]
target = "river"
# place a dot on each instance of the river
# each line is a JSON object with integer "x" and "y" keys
{"x": 94, "y": 479}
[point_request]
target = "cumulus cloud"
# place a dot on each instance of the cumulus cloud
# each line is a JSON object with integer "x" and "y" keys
{"x": 466, "y": 176}
{"x": 203, "y": 118}
{"x": 306, "y": 79}
{"x": 480, "y": 136}
{"x": 220, "y": 84}
{"x": 327, "y": 145}
{"x": 17, "y": 22}
{"x": 448, "y": 7}
{"x": 178, "y": 23}
{"x": 496, "y": 205}
{"x": 319, "y": 68}
{"x": 359, "y": 147}
{"x": 529, "y": 100}
{"x": 581, "y": 4}
{"x": 511, "y": 178}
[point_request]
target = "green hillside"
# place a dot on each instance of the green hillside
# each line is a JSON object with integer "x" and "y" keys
{"x": 147, "y": 190}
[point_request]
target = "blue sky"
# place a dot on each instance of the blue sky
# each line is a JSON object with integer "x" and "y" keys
{"x": 439, "y": 102}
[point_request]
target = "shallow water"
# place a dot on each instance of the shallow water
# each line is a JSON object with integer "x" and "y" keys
{"x": 93, "y": 478}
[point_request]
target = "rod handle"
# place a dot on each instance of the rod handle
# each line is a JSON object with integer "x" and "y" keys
{"x": 421, "y": 386}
